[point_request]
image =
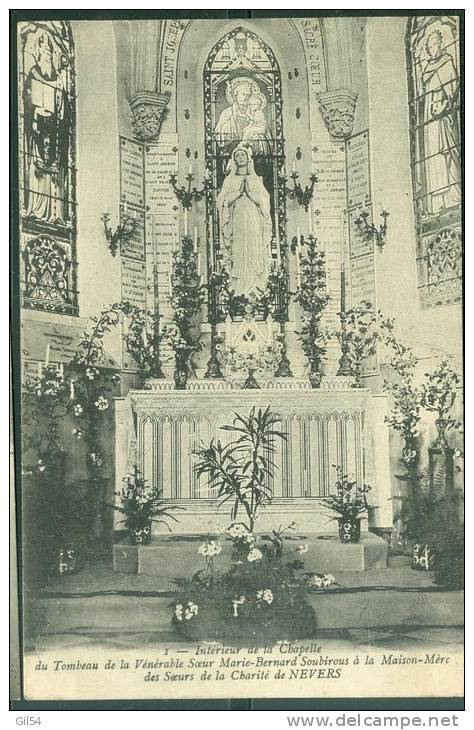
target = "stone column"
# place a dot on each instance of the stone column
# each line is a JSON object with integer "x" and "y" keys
{"x": 147, "y": 102}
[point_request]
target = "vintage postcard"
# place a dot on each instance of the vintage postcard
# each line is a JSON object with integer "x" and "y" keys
{"x": 239, "y": 249}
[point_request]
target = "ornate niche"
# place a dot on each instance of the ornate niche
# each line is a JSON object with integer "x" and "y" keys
{"x": 243, "y": 139}
{"x": 47, "y": 172}
{"x": 434, "y": 106}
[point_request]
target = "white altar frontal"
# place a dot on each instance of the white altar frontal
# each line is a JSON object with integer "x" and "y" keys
{"x": 335, "y": 425}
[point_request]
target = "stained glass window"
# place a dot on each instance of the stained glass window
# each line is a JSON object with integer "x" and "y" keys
{"x": 434, "y": 103}
{"x": 47, "y": 166}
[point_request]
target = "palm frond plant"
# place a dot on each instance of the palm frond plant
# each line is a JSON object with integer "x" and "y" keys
{"x": 141, "y": 505}
{"x": 242, "y": 470}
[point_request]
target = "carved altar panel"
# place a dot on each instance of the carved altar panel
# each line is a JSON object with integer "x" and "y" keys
{"x": 323, "y": 430}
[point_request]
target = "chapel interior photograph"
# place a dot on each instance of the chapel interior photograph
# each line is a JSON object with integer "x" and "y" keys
{"x": 239, "y": 285}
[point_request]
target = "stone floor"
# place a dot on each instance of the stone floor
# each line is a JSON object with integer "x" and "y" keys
{"x": 394, "y": 607}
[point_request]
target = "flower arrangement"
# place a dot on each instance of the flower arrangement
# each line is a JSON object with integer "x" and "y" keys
{"x": 405, "y": 414}
{"x": 312, "y": 296}
{"x": 261, "y": 597}
{"x": 438, "y": 394}
{"x": 348, "y": 503}
{"x": 241, "y": 470}
{"x": 262, "y": 361}
{"x": 358, "y": 336}
{"x": 141, "y": 506}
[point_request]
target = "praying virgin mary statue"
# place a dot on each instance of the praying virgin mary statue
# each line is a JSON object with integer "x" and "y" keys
{"x": 245, "y": 224}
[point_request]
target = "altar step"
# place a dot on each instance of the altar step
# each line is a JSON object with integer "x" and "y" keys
{"x": 170, "y": 556}
{"x": 199, "y": 516}
{"x": 98, "y": 607}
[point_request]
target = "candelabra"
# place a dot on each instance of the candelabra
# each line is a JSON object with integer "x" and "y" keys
{"x": 302, "y": 196}
{"x": 345, "y": 368}
{"x": 188, "y": 195}
{"x": 213, "y": 365}
{"x": 122, "y": 234}
{"x": 279, "y": 283}
{"x": 370, "y": 231}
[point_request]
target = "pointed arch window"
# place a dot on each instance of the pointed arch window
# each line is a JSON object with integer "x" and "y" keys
{"x": 433, "y": 63}
{"x": 47, "y": 102}
{"x": 243, "y": 109}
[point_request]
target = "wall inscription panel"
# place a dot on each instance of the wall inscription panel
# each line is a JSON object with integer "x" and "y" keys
{"x": 132, "y": 179}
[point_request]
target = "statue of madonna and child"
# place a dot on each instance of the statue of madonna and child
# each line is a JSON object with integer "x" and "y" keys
{"x": 245, "y": 224}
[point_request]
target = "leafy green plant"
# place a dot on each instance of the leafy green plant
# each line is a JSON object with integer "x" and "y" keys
{"x": 140, "y": 505}
{"x": 349, "y": 500}
{"x": 242, "y": 469}
{"x": 359, "y": 336}
{"x": 438, "y": 394}
{"x": 261, "y": 596}
{"x": 448, "y": 560}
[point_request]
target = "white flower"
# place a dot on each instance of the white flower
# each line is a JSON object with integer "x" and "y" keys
{"x": 191, "y": 610}
{"x": 78, "y": 409}
{"x": 319, "y": 580}
{"x": 328, "y": 580}
{"x": 215, "y": 528}
{"x": 254, "y": 554}
{"x": 90, "y": 373}
{"x": 41, "y": 465}
{"x": 210, "y": 549}
{"x": 265, "y": 595}
{"x": 178, "y": 611}
{"x": 302, "y": 549}
{"x": 315, "y": 581}
{"x": 77, "y": 433}
{"x": 101, "y": 403}
{"x": 237, "y": 529}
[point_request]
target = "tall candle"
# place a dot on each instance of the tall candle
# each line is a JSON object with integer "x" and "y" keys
{"x": 343, "y": 288}
{"x": 293, "y": 166}
{"x": 185, "y": 221}
{"x": 46, "y": 357}
{"x": 199, "y": 264}
{"x": 228, "y": 322}
{"x": 195, "y": 238}
{"x": 190, "y": 169}
{"x": 61, "y": 369}
{"x": 71, "y": 389}
{"x": 298, "y": 272}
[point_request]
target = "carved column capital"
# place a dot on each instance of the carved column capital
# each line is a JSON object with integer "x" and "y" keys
{"x": 338, "y": 110}
{"x": 147, "y": 109}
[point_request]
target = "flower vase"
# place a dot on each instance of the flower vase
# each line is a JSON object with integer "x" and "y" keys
{"x": 349, "y": 530}
{"x": 180, "y": 378}
{"x": 422, "y": 557}
{"x": 250, "y": 382}
{"x": 314, "y": 375}
{"x": 357, "y": 376}
{"x": 140, "y": 535}
{"x": 441, "y": 441}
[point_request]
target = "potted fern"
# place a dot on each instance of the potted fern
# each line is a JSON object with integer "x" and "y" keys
{"x": 141, "y": 506}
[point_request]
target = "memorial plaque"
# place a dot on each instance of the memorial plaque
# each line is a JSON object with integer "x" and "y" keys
{"x": 161, "y": 161}
{"x": 359, "y": 246}
{"x": 329, "y": 166}
{"x": 132, "y": 176}
{"x": 329, "y": 231}
{"x": 363, "y": 280}
{"x": 358, "y": 169}
{"x": 134, "y": 248}
{"x": 134, "y": 282}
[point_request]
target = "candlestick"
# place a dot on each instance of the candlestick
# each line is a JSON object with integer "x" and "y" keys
{"x": 46, "y": 357}
{"x": 343, "y": 289}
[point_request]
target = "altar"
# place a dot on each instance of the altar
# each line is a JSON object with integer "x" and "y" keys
{"x": 335, "y": 425}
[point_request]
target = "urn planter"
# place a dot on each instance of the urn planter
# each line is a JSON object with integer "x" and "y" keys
{"x": 140, "y": 535}
{"x": 349, "y": 530}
